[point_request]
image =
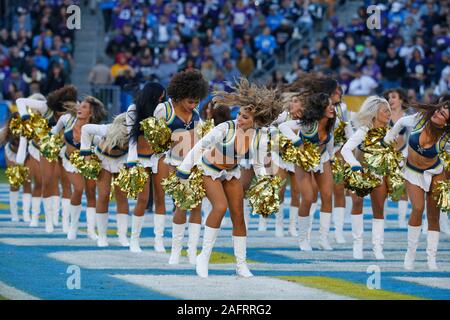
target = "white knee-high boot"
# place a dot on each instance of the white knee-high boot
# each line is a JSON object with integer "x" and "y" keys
{"x": 35, "y": 211}
{"x": 90, "y": 219}
{"x": 56, "y": 206}
{"x": 48, "y": 210}
{"x": 194, "y": 236}
{"x": 246, "y": 214}
{"x": 312, "y": 211}
{"x": 65, "y": 203}
{"x": 279, "y": 222}
{"x": 357, "y": 233}
{"x": 122, "y": 229}
{"x": 206, "y": 209}
{"x": 443, "y": 222}
{"x": 75, "y": 212}
{"x": 402, "y": 208}
{"x": 293, "y": 216}
{"x": 136, "y": 227}
{"x": 325, "y": 220}
{"x": 303, "y": 240}
{"x": 348, "y": 209}
{"x": 26, "y": 206}
{"x": 13, "y": 206}
{"x": 177, "y": 242}
{"x": 262, "y": 223}
{"x": 159, "y": 221}
{"x": 102, "y": 229}
{"x": 425, "y": 223}
{"x": 240, "y": 252}
{"x": 338, "y": 217}
{"x": 432, "y": 247}
{"x": 413, "y": 240}
{"x": 209, "y": 239}
{"x": 378, "y": 238}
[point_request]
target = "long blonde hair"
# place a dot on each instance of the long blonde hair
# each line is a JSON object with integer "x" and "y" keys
{"x": 368, "y": 111}
{"x": 117, "y": 135}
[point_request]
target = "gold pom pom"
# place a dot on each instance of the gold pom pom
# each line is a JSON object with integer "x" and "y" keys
{"x": 396, "y": 185}
{"x": 263, "y": 195}
{"x": 205, "y": 127}
{"x": 132, "y": 180}
{"x": 362, "y": 183}
{"x": 90, "y": 169}
{"x": 15, "y": 126}
{"x": 50, "y": 147}
{"x": 157, "y": 134}
{"x": 441, "y": 194}
{"x": 382, "y": 159}
{"x": 17, "y": 175}
{"x": 339, "y": 133}
{"x": 338, "y": 167}
{"x": 287, "y": 150}
{"x": 445, "y": 158}
{"x": 186, "y": 195}
{"x": 35, "y": 127}
{"x": 308, "y": 156}
{"x": 374, "y": 136}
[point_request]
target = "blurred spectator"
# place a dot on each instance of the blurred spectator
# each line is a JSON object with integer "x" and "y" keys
{"x": 100, "y": 74}
{"x": 56, "y": 79}
{"x": 245, "y": 64}
{"x": 208, "y": 69}
{"x": 120, "y": 65}
{"x": 362, "y": 85}
{"x": 166, "y": 69}
{"x": 392, "y": 69}
{"x": 231, "y": 73}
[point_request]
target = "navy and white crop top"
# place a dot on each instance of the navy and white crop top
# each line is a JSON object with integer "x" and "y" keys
{"x": 67, "y": 122}
{"x": 174, "y": 122}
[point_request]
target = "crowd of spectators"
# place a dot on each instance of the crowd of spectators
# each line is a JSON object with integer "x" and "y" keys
{"x": 411, "y": 49}
{"x": 36, "y": 47}
{"x": 152, "y": 39}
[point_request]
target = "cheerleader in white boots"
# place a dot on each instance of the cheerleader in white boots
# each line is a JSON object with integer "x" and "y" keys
{"x": 398, "y": 99}
{"x": 139, "y": 151}
{"x": 111, "y": 149}
{"x": 219, "y": 153}
{"x": 90, "y": 110}
{"x": 374, "y": 113}
{"x": 15, "y": 155}
{"x": 185, "y": 90}
{"x": 316, "y": 126}
{"x": 429, "y": 136}
{"x": 51, "y": 172}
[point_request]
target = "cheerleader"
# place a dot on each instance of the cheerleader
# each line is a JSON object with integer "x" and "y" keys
{"x": 50, "y": 172}
{"x": 219, "y": 154}
{"x": 90, "y": 110}
{"x": 397, "y": 100}
{"x": 430, "y": 135}
{"x": 374, "y": 113}
{"x": 316, "y": 127}
{"x": 185, "y": 90}
{"x": 111, "y": 149}
{"x": 16, "y": 156}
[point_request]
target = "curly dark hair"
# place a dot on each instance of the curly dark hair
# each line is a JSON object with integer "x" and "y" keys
{"x": 314, "y": 109}
{"x": 401, "y": 93}
{"x": 57, "y": 98}
{"x": 187, "y": 85}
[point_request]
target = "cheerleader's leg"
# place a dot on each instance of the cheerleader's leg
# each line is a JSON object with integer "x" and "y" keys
{"x": 26, "y": 202}
{"x": 90, "y": 186}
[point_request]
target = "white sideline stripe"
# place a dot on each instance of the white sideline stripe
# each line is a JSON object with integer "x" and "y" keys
{"x": 14, "y": 294}
{"x": 434, "y": 282}
{"x": 228, "y": 288}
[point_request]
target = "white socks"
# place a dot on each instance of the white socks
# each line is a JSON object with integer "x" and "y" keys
{"x": 136, "y": 227}
{"x": 26, "y": 206}
{"x": 357, "y": 233}
{"x": 209, "y": 239}
{"x": 75, "y": 212}
{"x": 122, "y": 229}
{"x": 65, "y": 202}
{"x": 402, "y": 207}
{"x": 102, "y": 229}
{"x": 90, "y": 219}
{"x": 240, "y": 252}
{"x": 378, "y": 238}
{"x": 338, "y": 218}
{"x": 35, "y": 211}
{"x": 13, "y": 206}
{"x": 325, "y": 220}
{"x": 159, "y": 224}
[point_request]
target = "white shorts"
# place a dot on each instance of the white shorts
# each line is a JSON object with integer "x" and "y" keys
{"x": 111, "y": 164}
{"x": 62, "y": 152}
{"x": 421, "y": 179}
{"x": 174, "y": 162}
{"x": 10, "y": 155}
{"x": 245, "y": 163}
{"x": 323, "y": 159}
{"x": 33, "y": 151}
{"x": 150, "y": 162}
{"x": 68, "y": 166}
{"x": 215, "y": 173}
{"x": 288, "y": 166}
